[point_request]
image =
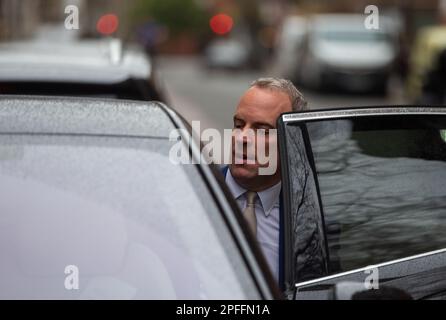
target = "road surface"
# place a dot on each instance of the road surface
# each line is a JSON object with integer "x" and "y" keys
{"x": 212, "y": 97}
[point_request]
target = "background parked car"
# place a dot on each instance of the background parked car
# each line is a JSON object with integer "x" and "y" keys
{"x": 425, "y": 61}
{"x": 289, "y": 39}
{"x": 91, "y": 207}
{"x": 227, "y": 53}
{"x": 339, "y": 51}
{"x": 434, "y": 87}
{"x": 99, "y": 68}
{"x": 235, "y": 51}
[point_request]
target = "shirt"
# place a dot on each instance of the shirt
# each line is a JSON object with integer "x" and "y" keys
{"x": 267, "y": 210}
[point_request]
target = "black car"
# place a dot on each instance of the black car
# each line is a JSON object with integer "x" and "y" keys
{"x": 88, "y": 68}
{"x": 91, "y": 207}
{"x": 365, "y": 203}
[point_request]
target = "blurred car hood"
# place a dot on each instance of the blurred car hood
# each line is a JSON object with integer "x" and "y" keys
{"x": 78, "y": 61}
{"x": 227, "y": 50}
{"x": 355, "y": 55}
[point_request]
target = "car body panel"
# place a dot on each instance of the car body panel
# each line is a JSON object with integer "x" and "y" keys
{"x": 421, "y": 276}
{"x": 88, "y": 183}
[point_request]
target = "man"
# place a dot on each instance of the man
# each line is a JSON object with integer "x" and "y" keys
{"x": 259, "y": 195}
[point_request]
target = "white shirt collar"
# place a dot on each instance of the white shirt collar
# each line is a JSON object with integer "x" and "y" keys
{"x": 268, "y": 197}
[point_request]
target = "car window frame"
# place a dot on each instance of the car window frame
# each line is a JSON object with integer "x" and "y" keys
{"x": 318, "y": 283}
{"x": 250, "y": 250}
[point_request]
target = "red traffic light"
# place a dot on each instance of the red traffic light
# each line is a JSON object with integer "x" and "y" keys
{"x": 107, "y": 24}
{"x": 221, "y": 23}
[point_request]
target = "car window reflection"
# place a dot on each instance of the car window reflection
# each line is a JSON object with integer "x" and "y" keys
{"x": 87, "y": 202}
{"x": 381, "y": 187}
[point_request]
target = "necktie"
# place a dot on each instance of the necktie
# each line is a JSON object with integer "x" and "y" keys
{"x": 249, "y": 213}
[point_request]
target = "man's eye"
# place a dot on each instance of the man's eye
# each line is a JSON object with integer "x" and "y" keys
{"x": 265, "y": 130}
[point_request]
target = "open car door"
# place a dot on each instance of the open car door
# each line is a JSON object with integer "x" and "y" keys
{"x": 365, "y": 203}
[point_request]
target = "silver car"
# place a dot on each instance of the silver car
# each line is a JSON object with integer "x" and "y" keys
{"x": 87, "y": 68}
{"x": 339, "y": 51}
{"x": 91, "y": 207}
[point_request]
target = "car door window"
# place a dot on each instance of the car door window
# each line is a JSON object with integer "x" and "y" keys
{"x": 381, "y": 183}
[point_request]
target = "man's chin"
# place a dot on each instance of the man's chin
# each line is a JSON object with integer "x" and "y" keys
{"x": 244, "y": 171}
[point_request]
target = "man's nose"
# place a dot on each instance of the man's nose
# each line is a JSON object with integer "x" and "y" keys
{"x": 245, "y": 136}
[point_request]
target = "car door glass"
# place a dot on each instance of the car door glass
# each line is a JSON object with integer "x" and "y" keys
{"x": 381, "y": 182}
{"x": 307, "y": 254}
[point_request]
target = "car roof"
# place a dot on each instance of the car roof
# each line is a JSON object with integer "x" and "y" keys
{"x": 103, "y": 61}
{"x": 84, "y": 116}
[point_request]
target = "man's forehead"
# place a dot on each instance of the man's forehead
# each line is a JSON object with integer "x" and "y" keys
{"x": 264, "y": 100}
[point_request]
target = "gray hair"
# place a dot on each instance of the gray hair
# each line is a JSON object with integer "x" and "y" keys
{"x": 297, "y": 99}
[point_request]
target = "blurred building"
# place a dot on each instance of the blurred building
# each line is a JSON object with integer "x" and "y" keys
{"x": 18, "y": 18}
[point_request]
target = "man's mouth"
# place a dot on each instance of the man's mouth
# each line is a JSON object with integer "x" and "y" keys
{"x": 242, "y": 159}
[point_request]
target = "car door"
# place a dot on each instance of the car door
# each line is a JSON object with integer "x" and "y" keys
{"x": 365, "y": 203}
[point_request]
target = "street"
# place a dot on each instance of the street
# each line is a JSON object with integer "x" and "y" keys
{"x": 211, "y": 96}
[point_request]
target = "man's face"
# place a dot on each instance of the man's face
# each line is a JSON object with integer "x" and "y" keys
{"x": 258, "y": 109}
